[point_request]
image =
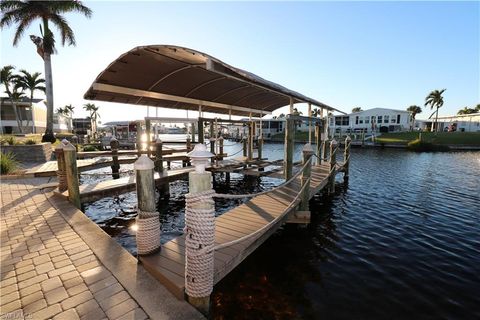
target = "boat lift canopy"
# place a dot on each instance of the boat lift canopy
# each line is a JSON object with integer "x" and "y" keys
{"x": 181, "y": 78}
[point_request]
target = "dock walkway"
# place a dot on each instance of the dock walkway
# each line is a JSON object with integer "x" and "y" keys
{"x": 56, "y": 263}
{"x": 168, "y": 265}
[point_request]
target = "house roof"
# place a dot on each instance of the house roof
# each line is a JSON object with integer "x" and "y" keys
{"x": 375, "y": 109}
{"x": 23, "y": 101}
{"x": 181, "y": 78}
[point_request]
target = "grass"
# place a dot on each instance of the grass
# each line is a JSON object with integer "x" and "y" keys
{"x": 8, "y": 164}
{"x": 440, "y": 138}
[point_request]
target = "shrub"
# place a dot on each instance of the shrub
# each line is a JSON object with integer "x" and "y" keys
{"x": 8, "y": 163}
{"x": 30, "y": 141}
{"x": 11, "y": 140}
{"x": 88, "y": 148}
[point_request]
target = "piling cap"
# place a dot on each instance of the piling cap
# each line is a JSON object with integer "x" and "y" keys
{"x": 65, "y": 142}
{"x": 143, "y": 163}
{"x": 113, "y": 139}
{"x": 348, "y": 138}
{"x": 334, "y": 142}
{"x": 200, "y": 151}
{"x": 158, "y": 140}
{"x": 307, "y": 148}
{"x": 221, "y": 138}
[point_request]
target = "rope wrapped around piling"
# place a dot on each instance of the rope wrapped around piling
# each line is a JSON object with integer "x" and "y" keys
{"x": 199, "y": 243}
{"x": 62, "y": 180}
{"x": 148, "y": 232}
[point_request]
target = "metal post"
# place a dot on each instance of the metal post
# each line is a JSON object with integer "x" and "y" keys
{"x": 307, "y": 172}
{"x": 346, "y": 158}
{"x": 70, "y": 155}
{"x": 148, "y": 219}
{"x": 61, "y": 173}
{"x": 114, "y": 144}
{"x": 333, "y": 161}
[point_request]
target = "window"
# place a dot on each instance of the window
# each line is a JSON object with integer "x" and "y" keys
{"x": 392, "y": 120}
{"x": 360, "y": 120}
{"x": 386, "y": 119}
{"x": 367, "y": 121}
{"x": 345, "y": 121}
{"x": 373, "y": 119}
{"x": 331, "y": 121}
{"x": 356, "y": 120}
{"x": 379, "y": 119}
{"x": 338, "y": 121}
{"x": 398, "y": 118}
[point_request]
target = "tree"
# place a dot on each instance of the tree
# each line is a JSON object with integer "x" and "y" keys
{"x": 23, "y": 13}
{"x": 414, "y": 110}
{"x": 10, "y": 82}
{"x": 31, "y": 82}
{"x": 466, "y": 110}
{"x": 356, "y": 109}
{"x": 477, "y": 108}
{"x": 435, "y": 100}
{"x": 94, "y": 115}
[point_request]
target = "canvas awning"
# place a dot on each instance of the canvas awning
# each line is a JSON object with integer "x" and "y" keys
{"x": 180, "y": 78}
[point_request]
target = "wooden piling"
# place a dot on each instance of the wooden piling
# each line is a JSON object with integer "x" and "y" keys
{"x": 333, "y": 163}
{"x": 159, "y": 156}
{"x": 61, "y": 173}
{"x": 114, "y": 145}
{"x": 70, "y": 155}
{"x": 289, "y": 142}
{"x": 250, "y": 141}
{"x": 307, "y": 153}
{"x": 259, "y": 147}
{"x": 212, "y": 147}
{"x": 75, "y": 142}
{"x": 325, "y": 145}
{"x": 139, "y": 138}
{"x": 244, "y": 141}
{"x": 149, "y": 139}
{"x": 193, "y": 132}
{"x": 220, "y": 148}
{"x": 200, "y": 131}
{"x": 318, "y": 143}
{"x": 346, "y": 158}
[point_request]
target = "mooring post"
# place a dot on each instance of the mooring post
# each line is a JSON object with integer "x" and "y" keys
{"x": 259, "y": 147}
{"x": 244, "y": 140}
{"x": 307, "y": 153}
{"x": 289, "y": 141}
{"x": 70, "y": 155}
{"x": 220, "y": 148}
{"x": 114, "y": 145}
{"x": 325, "y": 144}
{"x": 193, "y": 132}
{"x": 159, "y": 156}
{"x": 333, "y": 163}
{"x": 148, "y": 219}
{"x": 61, "y": 173}
{"x": 363, "y": 138}
{"x": 318, "y": 143}
{"x": 200, "y": 232}
{"x": 346, "y": 158}
{"x": 200, "y": 131}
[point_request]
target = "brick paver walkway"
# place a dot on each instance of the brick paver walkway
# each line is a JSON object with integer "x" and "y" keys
{"x": 47, "y": 270}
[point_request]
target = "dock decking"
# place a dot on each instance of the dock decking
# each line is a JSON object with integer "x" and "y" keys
{"x": 168, "y": 265}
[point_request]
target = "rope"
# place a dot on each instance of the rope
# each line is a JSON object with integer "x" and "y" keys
{"x": 62, "y": 180}
{"x": 199, "y": 243}
{"x": 148, "y": 232}
{"x": 235, "y": 153}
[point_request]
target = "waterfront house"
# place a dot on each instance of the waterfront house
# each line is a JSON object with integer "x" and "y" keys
{"x": 461, "y": 123}
{"x": 371, "y": 120}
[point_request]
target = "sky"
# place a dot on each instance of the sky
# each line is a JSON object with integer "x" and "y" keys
{"x": 344, "y": 54}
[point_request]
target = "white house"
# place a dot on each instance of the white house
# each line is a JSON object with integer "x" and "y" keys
{"x": 371, "y": 120}
{"x": 462, "y": 123}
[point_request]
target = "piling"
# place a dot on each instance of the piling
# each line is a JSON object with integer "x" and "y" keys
{"x": 147, "y": 133}
{"x": 346, "y": 158}
{"x": 139, "y": 139}
{"x": 307, "y": 153}
{"x": 220, "y": 148}
{"x": 114, "y": 145}
{"x": 193, "y": 132}
{"x": 70, "y": 155}
{"x": 259, "y": 147}
{"x": 250, "y": 141}
{"x": 200, "y": 131}
{"x": 159, "y": 156}
{"x": 325, "y": 144}
{"x": 318, "y": 143}
{"x": 200, "y": 229}
{"x": 289, "y": 141}
{"x": 61, "y": 173}
{"x": 148, "y": 219}
{"x": 189, "y": 144}
{"x": 244, "y": 141}
{"x": 212, "y": 147}
{"x": 333, "y": 163}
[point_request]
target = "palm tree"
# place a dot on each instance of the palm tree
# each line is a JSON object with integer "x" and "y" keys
{"x": 356, "y": 109}
{"x": 435, "y": 100}
{"x": 466, "y": 110}
{"x": 9, "y": 81}
{"x": 23, "y": 13}
{"x": 414, "y": 110}
{"x": 31, "y": 82}
{"x": 477, "y": 108}
{"x": 94, "y": 115}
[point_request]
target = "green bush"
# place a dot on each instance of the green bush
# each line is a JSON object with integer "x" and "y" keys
{"x": 8, "y": 163}
{"x": 11, "y": 140}
{"x": 88, "y": 148}
{"x": 30, "y": 141}
{"x": 422, "y": 146}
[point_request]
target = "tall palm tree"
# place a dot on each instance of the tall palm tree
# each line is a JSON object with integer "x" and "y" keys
{"x": 94, "y": 115}
{"x": 31, "y": 82}
{"x": 356, "y": 109}
{"x": 414, "y": 110}
{"x": 23, "y": 13}
{"x": 9, "y": 81}
{"x": 435, "y": 100}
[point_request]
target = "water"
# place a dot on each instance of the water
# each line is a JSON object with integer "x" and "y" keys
{"x": 401, "y": 240}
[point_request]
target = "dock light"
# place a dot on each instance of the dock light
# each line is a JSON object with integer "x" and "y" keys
{"x": 199, "y": 157}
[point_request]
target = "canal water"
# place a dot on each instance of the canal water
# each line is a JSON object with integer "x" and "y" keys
{"x": 400, "y": 240}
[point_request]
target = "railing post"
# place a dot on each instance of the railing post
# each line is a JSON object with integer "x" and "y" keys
{"x": 333, "y": 162}
{"x": 114, "y": 144}
{"x": 200, "y": 232}
{"x": 70, "y": 155}
{"x": 250, "y": 141}
{"x": 307, "y": 172}
{"x": 148, "y": 219}
{"x": 220, "y": 148}
{"x": 289, "y": 141}
{"x": 325, "y": 144}
{"x": 158, "y": 156}
{"x": 61, "y": 173}
{"x": 318, "y": 143}
{"x": 346, "y": 158}
{"x": 244, "y": 140}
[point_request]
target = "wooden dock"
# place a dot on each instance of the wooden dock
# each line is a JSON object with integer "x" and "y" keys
{"x": 168, "y": 265}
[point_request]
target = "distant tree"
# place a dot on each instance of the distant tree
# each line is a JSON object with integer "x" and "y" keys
{"x": 23, "y": 13}
{"x": 477, "y": 108}
{"x": 281, "y": 116}
{"x": 94, "y": 115}
{"x": 356, "y": 109}
{"x": 414, "y": 110}
{"x": 31, "y": 82}
{"x": 466, "y": 110}
{"x": 10, "y": 82}
{"x": 435, "y": 100}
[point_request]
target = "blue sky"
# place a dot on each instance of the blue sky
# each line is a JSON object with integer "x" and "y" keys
{"x": 345, "y": 54}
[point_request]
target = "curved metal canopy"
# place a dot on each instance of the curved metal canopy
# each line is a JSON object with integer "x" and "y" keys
{"x": 181, "y": 78}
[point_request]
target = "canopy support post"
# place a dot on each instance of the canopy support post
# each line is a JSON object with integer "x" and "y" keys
{"x": 289, "y": 140}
